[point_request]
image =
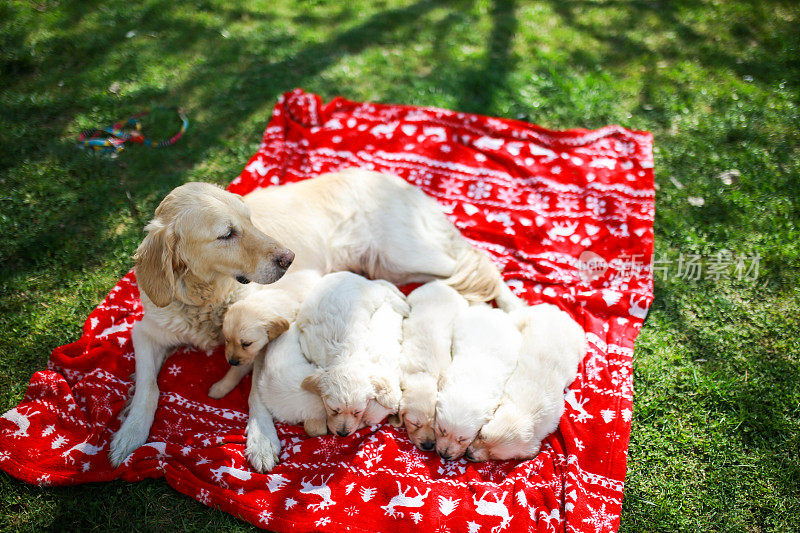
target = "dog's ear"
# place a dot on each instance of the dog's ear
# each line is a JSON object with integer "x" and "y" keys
{"x": 157, "y": 262}
{"x": 311, "y": 383}
{"x": 384, "y": 392}
{"x": 276, "y": 327}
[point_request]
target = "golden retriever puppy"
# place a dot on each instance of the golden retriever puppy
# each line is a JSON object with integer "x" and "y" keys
{"x": 278, "y": 374}
{"x": 533, "y": 399}
{"x": 385, "y": 347}
{"x": 427, "y": 343}
{"x": 257, "y": 319}
{"x": 485, "y": 347}
{"x": 334, "y": 324}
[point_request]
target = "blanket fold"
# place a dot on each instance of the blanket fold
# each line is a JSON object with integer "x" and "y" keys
{"x": 566, "y": 215}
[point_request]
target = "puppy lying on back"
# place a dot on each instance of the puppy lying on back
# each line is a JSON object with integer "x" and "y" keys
{"x": 257, "y": 319}
{"x": 533, "y": 400}
{"x": 485, "y": 347}
{"x": 278, "y": 382}
{"x": 334, "y": 324}
{"x": 427, "y": 343}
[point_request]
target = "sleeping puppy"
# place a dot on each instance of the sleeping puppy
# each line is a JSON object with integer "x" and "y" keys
{"x": 533, "y": 399}
{"x": 385, "y": 347}
{"x": 427, "y": 342}
{"x": 334, "y": 324}
{"x": 278, "y": 373}
{"x": 257, "y": 319}
{"x": 485, "y": 347}
{"x": 279, "y": 381}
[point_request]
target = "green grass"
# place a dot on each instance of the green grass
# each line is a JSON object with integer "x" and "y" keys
{"x": 716, "y": 427}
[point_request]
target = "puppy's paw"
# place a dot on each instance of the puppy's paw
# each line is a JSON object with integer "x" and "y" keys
{"x": 261, "y": 454}
{"x": 220, "y": 389}
{"x": 395, "y": 421}
{"x": 263, "y": 450}
{"x": 315, "y": 427}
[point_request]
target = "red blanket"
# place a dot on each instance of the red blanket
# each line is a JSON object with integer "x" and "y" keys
{"x": 567, "y": 215}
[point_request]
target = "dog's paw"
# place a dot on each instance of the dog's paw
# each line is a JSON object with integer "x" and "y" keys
{"x": 219, "y": 390}
{"x": 261, "y": 454}
{"x": 126, "y": 441}
{"x": 263, "y": 450}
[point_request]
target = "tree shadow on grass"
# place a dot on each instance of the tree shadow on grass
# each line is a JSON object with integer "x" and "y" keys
{"x": 233, "y": 80}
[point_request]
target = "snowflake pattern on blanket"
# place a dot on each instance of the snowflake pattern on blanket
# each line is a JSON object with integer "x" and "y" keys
{"x": 541, "y": 203}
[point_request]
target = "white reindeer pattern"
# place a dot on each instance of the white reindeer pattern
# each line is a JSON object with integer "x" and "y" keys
{"x": 83, "y": 447}
{"x": 322, "y": 490}
{"x": 21, "y": 420}
{"x": 576, "y": 405}
{"x": 493, "y": 508}
{"x": 238, "y": 473}
{"x": 402, "y": 500}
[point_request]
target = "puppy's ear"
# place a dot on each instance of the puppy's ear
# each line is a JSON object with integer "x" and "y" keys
{"x": 311, "y": 383}
{"x": 396, "y": 420}
{"x": 157, "y": 263}
{"x": 384, "y": 392}
{"x": 276, "y": 327}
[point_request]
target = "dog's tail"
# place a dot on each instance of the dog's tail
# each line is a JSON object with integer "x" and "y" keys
{"x": 478, "y": 280}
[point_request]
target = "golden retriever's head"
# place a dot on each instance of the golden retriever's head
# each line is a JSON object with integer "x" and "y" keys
{"x": 508, "y": 435}
{"x": 204, "y": 233}
{"x": 418, "y": 409}
{"x": 247, "y": 331}
{"x": 345, "y": 391}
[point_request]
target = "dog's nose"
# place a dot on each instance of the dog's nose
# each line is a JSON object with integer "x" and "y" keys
{"x": 468, "y": 455}
{"x": 427, "y": 445}
{"x": 234, "y": 362}
{"x": 342, "y": 433}
{"x": 445, "y": 455}
{"x": 284, "y": 259}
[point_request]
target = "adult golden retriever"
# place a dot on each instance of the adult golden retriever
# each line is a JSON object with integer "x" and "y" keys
{"x": 205, "y": 245}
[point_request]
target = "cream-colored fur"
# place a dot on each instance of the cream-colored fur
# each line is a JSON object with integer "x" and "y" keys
{"x": 334, "y": 324}
{"x": 197, "y": 245}
{"x": 203, "y": 239}
{"x": 277, "y": 383}
{"x": 257, "y": 319}
{"x": 427, "y": 343}
{"x": 485, "y": 347}
{"x": 533, "y": 399}
{"x": 384, "y": 346}
{"x": 378, "y": 225}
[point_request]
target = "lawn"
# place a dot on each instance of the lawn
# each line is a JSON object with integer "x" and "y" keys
{"x": 716, "y": 426}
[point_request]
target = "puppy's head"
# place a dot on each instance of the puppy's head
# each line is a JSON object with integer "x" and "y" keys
{"x": 418, "y": 409}
{"x": 247, "y": 332}
{"x": 206, "y": 232}
{"x": 506, "y": 436}
{"x": 456, "y": 426}
{"x": 345, "y": 391}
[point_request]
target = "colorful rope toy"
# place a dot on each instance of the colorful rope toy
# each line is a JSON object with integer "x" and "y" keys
{"x": 130, "y": 131}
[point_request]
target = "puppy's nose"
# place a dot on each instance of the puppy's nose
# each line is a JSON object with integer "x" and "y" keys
{"x": 284, "y": 259}
{"x": 234, "y": 362}
{"x": 468, "y": 455}
{"x": 427, "y": 445}
{"x": 342, "y": 433}
{"x": 445, "y": 455}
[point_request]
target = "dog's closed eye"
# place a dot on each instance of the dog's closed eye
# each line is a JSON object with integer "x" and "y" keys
{"x": 246, "y": 344}
{"x": 228, "y": 235}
